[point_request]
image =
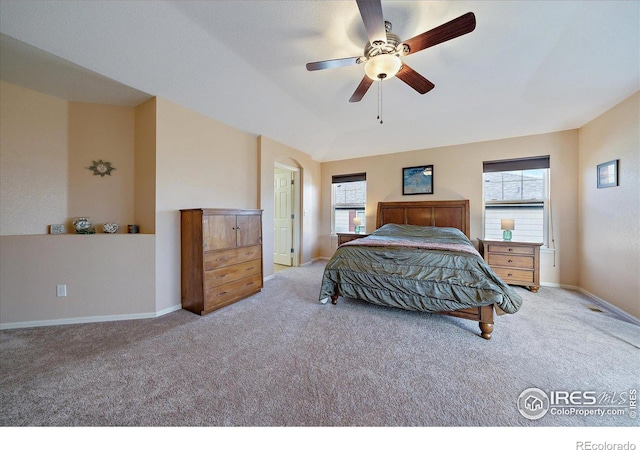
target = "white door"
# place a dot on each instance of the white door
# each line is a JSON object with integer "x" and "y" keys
{"x": 283, "y": 221}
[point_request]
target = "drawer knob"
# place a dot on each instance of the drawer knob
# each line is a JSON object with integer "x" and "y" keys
{"x": 222, "y": 293}
{"x": 510, "y": 261}
{"x": 510, "y": 249}
{"x": 509, "y": 275}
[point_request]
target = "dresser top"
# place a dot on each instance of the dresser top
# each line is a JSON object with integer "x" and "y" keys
{"x": 501, "y": 241}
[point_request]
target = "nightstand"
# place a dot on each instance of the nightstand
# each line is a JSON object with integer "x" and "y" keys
{"x": 515, "y": 262}
{"x": 346, "y": 237}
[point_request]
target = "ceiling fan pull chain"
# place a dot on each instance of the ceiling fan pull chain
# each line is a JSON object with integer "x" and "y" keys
{"x": 378, "y": 102}
{"x": 380, "y": 97}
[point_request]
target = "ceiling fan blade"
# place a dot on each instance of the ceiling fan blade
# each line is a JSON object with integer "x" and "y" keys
{"x": 332, "y": 63}
{"x": 362, "y": 89}
{"x": 371, "y": 12}
{"x": 452, "y": 29}
{"x": 415, "y": 80}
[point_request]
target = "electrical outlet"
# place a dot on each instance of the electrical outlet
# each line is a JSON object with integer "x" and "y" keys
{"x": 61, "y": 290}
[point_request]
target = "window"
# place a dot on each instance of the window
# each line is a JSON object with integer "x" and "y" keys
{"x": 517, "y": 189}
{"x": 348, "y": 200}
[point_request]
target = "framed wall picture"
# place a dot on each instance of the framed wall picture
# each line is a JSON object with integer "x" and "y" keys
{"x": 608, "y": 174}
{"x": 417, "y": 180}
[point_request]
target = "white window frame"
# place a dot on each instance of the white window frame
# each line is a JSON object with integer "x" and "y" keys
{"x": 338, "y": 179}
{"x": 541, "y": 162}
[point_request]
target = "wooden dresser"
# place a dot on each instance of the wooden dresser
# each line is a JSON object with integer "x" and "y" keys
{"x": 515, "y": 262}
{"x": 346, "y": 237}
{"x": 221, "y": 257}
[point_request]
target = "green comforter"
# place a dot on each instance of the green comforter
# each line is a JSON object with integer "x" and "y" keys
{"x": 417, "y": 268}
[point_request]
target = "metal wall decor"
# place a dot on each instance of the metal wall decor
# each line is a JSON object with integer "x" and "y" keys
{"x": 101, "y": 168}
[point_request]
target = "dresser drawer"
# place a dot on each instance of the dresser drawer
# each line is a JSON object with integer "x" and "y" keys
{"x": 511, "y": 249}
{"x": 520, "y": 262}
{"x": 214, "y": 260}
{"x": 227, "y": 274}
{"x": 511, "y": 275}
{"x": 227, "y": 293}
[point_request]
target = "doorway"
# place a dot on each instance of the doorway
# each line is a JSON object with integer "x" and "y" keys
{"x": 285, "y": 195}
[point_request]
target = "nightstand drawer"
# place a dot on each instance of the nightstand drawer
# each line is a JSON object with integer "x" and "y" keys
{"x": 511, "y": 275}
{"x": 514, "y": 262}
{"x": 511, "y": 249}
{"x": 520, "y": 262}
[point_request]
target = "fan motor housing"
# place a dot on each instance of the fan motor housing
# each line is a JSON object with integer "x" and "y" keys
{"x": 392, "y": 46}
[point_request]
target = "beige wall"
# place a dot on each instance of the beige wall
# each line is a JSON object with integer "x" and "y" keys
{"x": 200, "y": 163}
{"x": 46, "y": 146}
{"x": 308, "y": 222}
{"x": 33, "y": 161}
{"x": 145, "y": 166}
{"x": 458, "y": 175}
{"x": 609, "y": 242}
{"x": 108, "y": 277}
{"x": 176, "y": 158}
{"x": 101, "y": 132}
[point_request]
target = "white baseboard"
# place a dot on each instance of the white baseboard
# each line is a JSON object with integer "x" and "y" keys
{"x": 90, "y": 319}
{"x": 598, "y": 301}
{"x": 606, "y": 305}
{"x": 321, "y": 258}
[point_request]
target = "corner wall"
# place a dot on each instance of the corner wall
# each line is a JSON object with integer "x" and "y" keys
{"x": 609, "y": 236}
{"x": 200, "y": 163}
{"x": 46, "y": 145}
{"x": 34, "y": 147}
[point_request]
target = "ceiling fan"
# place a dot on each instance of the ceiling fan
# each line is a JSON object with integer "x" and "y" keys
{"x": 382, "y": 54}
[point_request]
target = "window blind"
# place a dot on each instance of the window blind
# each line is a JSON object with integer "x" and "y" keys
{"x": 335, "y": 179}
{"x": 505, "y": 165}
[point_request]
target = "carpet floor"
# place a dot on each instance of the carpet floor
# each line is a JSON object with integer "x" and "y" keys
{"x": 282, "y": 359}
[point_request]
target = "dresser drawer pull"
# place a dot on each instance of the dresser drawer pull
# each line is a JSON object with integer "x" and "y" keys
{"x": 220, "y": 276}
{"x": 249, "y": 284}
{"x": 509, "y": 275}
{"x": 222, "y": 293}
{"x": 510, "y": 261}
{"x": 248, "y": 269}
{"x": 221, "y": 259}
{"x": 510, "y": 249}
{"x": 248, "y": 253}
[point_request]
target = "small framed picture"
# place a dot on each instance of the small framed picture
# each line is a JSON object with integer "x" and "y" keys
{"x": 57, "y": 229}
{"x": 417, "y": 180}
{"x": 608, "y": 174}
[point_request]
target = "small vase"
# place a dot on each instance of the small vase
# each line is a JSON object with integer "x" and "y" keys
{"x": 110, "y": 228}
{"x": 82, "y": 225}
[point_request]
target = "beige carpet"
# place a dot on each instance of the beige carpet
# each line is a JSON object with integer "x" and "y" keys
{"x": 280, "y": 358}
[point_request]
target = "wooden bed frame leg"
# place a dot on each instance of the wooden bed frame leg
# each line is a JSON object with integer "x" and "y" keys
{"x": 334, "y": 299}
{"x": 486, "y": 329}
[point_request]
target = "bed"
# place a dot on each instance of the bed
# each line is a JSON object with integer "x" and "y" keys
{"x": 420, "y": 258}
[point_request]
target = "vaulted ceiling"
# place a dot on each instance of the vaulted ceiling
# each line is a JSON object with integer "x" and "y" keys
{"x": 529, "y": 67}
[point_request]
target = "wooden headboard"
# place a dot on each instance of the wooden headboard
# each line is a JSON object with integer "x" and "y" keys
{"x": 445, "y": 213}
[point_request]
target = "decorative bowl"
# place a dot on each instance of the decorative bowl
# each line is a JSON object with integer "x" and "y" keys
{"x": 110, "y": 227}
{"x": 82, "y": 224}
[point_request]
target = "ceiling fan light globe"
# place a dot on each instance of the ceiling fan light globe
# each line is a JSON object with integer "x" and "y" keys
{"x": 383, "y": 66}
